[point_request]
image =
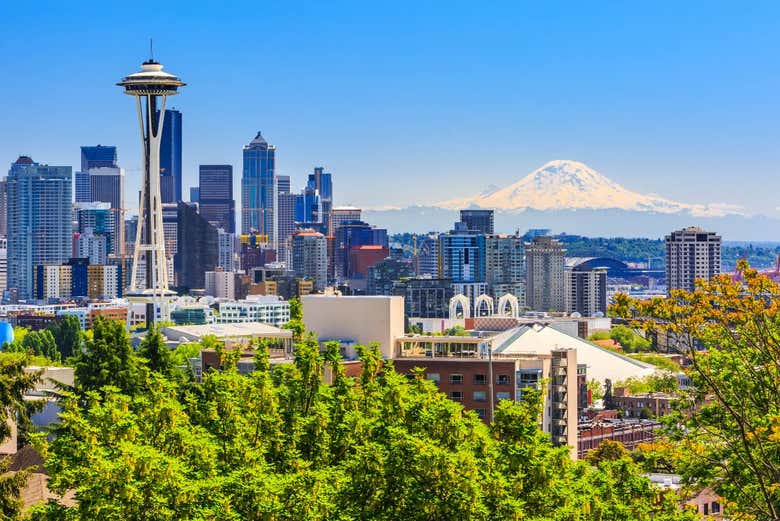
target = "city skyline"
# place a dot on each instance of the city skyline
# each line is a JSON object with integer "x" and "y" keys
{"x": 639, "y": 96}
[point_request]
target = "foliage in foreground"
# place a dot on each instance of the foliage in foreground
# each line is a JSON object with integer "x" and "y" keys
{"x": 15, "y": 382}
{"x": 281, "y": 445}
{"x": 732, "y": 443}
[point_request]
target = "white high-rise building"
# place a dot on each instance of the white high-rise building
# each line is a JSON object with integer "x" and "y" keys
{"x": 545, "y": 286}
{"x": 221, "y": 284}
{"x": 691, "y": 253}
{"x": 227, "y": 250}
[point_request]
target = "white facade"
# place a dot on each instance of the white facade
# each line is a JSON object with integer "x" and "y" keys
{"x": 91, "y": 246}
{"x": 221, "y": 284}
{"x": 359, "y": 319}
{"x": 227, "y": 250}
{"x": 255, "y": 308}
{"x": 3, "y": 264}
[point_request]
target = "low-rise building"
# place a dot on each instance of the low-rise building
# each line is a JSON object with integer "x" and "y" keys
{"x": 359, "y": 319}
{"x": 645, "y": 405}
{"x": 471, "y": 372}
{"x": 255, "y": 308}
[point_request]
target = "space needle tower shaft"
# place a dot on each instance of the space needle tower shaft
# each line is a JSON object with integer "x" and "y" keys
{"x": 151, "y": 86}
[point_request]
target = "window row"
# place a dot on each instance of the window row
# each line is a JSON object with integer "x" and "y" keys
{"x": 477, "y": 379}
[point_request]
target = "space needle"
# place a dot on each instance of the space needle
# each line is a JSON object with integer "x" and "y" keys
{"x": 151, "y": 86}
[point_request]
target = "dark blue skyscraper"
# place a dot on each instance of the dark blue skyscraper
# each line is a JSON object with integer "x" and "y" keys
{"x": 258, "y": 189}
{"x": 170, "y": 157}
{"x": 215, "y": 196}
{"x": 92, "y": 157}
{"x": 97, "y": 156}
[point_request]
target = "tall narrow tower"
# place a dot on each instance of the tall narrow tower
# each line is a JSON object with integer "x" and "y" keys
{"x": 151, "y": 87}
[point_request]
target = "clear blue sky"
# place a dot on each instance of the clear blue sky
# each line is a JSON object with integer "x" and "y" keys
{"x": 412, "y": 102}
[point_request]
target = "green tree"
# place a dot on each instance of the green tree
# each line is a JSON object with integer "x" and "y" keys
{"x": 67, "y": 335}
{"x": 15, "y": 382}
{"x": 296, "y": 324}
{"x": 158, "y": 356}
{"x": 281, "y": 444}
{"x": 108, "y": 360}
{"x": 629, "y": 339}
{"x": 728, "y": 426}
{"x": 596, "y": 389}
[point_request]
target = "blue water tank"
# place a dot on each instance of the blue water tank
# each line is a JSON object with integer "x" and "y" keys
{"x": 6, "y": 334}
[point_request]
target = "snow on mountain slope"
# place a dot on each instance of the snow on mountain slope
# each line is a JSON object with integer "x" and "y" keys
{"x": 567, "y": 185}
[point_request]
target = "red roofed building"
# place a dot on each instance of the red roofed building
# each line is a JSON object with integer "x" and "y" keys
{"x": 365, "y": 256}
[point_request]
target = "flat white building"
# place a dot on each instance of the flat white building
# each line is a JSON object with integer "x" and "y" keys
{"x": 355, "y": 320}
{"x": 269, "y": 309}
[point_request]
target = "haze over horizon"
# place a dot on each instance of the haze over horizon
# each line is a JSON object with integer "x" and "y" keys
{"x": 421, "y": 104}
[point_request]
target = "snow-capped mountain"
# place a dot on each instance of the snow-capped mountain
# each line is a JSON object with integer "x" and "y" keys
{"x": 571, "y": 185}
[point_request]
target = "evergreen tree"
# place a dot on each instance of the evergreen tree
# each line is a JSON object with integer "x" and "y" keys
{"x": 159, "y": 358}
{"x": 67, "y": 335}
{"x": 108, "y": 360}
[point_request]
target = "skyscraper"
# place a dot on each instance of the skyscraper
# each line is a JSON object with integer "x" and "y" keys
{"x": 97, "y": 157}
{"x": 310, "y": 257}
{"x": 545, "y": 283}
{"x": 215, "y": 196}
{"x": 3, "y": 208}
{"x": 98, "y": 219}
{"x": 691, "y": 253}
{"x": 39, "y": 220}
{"x": 323, "y": 182}
{"x": 283, "y": 184}
{"x": 352, "y": 234}
{"x": 107, "y": 185}
{"x": 427, "y": 261}
{"x": 149, "y": 87}
{"x": 286, "y": 224}
{"x": 258, "y": 190}
{"x": 198, "y": 248}
{"x": 342, "y": 214}
{"x": 92, "y": 157}
{"x": 170, "y": 157}
{"x": 462, "y": 260}
{"x": 586, "y": 288}
{"x": 227, "y": 250}
{"x": 478, "y": 220}
{"x": 504, "y": 256}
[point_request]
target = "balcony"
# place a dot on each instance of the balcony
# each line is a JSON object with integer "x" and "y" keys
{"x": 559, "y": 371}
{"x": 560, "y": 440}
{"x": 560, "y": 422}
{"x": 558, "y": 388}
{"x": 559, "y": 406}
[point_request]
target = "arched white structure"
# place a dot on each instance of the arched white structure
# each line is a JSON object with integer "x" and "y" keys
{"x": 478, "y": 305}
{"x": 514, "y": 306}
{"x": 464, "y": 303}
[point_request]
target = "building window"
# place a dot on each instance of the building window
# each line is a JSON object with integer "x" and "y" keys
{"x": 456, "y": 379}
{"x": 480, "y": 396}
{"x": 481, "y": 413}
{"x": 502, "y": 396}
{"x": 502, "y": 379}
{"x": 706, "y": 509}
{"x": 715, "y": 507}
{"x": 435, "y": 377}
{"x": 456, "y": 396}
{"x": 480, "y": 379}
